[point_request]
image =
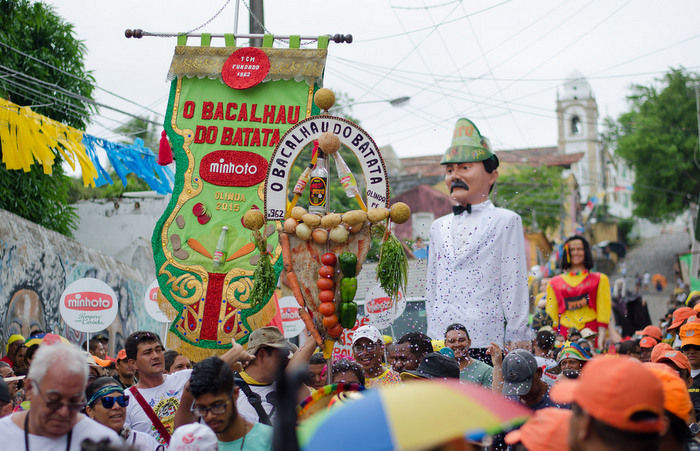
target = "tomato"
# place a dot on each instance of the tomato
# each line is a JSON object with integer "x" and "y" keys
{"x": 335, "y": 331}
{"x": 326, "y": 271}
{"x": 325, "y": 284}
{"x": 330, "y": 321}
{"x": 328, "y": 259}
{"x": 326, "y": 308}
{"x": 326, "y": 295}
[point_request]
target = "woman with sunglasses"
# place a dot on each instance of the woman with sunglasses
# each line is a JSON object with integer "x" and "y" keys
{"x": 106, "y": 404}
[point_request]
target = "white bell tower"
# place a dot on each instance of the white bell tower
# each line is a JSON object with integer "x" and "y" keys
{"x": 577, "y": 117}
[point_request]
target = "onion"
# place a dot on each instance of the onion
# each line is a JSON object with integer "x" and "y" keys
{"x": 320, "y": 236}
{"x": 290, "y": 225}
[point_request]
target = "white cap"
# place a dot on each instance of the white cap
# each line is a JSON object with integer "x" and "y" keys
{"x": 370, "y": 332}
{"x": 193, "y": 437}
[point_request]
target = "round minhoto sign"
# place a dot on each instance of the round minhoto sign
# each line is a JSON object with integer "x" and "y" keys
{"x": 245, "y": 68}
{"x": 88, "y": 305}
{"x": 381, "y": 309}
{"x": 291, "y": 321}
{"x": 151, "y": 302}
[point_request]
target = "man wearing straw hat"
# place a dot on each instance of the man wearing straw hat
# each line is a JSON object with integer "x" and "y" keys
{"x": 477, "y": 274}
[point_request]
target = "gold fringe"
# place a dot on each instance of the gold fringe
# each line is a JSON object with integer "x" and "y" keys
{"x": 194, "y": 353}
{"x": 264, "y": 316}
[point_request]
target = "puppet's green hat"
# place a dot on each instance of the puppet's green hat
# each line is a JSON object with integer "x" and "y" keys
{"x": 468, "y": 146}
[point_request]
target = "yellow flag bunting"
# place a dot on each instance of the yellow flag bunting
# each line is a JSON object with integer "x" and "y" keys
{"x": 28, "y": 137}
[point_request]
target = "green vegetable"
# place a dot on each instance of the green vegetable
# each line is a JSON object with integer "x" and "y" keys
{"x": 348, "y": 315}
{"x": 264, "y": 280}
{"x": 392, "y": 269}
{"x": 348, "y": 264}
{"x": 348, "y": 288}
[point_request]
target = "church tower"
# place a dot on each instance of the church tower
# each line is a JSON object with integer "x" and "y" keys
{"x": 577, "y": 117}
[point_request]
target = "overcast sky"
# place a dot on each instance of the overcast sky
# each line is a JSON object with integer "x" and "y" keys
{"x": 499, "y": 63}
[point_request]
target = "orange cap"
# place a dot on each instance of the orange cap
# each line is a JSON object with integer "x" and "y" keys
{"x": 676, "y": 397}
{"x": 121, "y": 355}
{"x": 679, "y": 315}
{"x": 603, "y": 390}
{"x": 647, "y": 342}
{"x": 690, "y": 333}
{"x": 697, "y": 308}
{"x": 650, "y": 331}
{"x": 546, "y": 430}
{"x": 103, "y": 363}
{"x": 664, "y": 352}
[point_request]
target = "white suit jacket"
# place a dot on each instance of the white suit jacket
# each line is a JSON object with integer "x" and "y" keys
{"x": 477, "y": 276}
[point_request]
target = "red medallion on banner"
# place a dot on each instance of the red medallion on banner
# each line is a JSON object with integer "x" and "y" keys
{"x": 230, "y": 168}
{"x": 245, "y": 68}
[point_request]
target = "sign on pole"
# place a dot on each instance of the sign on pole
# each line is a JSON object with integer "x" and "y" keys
{"x": 88, "y": 305}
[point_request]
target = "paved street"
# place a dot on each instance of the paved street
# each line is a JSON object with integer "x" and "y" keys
{"x": 655, "y": 255}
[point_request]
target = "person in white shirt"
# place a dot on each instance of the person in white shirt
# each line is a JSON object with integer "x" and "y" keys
{"x": 477, "y": 274}
{"x": 56, "y": 386}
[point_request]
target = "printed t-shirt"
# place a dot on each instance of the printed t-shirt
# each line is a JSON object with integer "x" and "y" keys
{"x": 163, "y": 399}
{"x": 388, "y": 377}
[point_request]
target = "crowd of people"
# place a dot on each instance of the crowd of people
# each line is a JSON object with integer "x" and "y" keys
{"x": 585, "y": 362}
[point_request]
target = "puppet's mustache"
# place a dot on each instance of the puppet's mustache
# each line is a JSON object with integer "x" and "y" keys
{"x": 458, "y": 184}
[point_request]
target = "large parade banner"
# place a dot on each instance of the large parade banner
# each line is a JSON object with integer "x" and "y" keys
{"x": 228, "y": 109}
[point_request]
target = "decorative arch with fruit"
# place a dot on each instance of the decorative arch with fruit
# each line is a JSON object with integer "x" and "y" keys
{"x": 323, "y": 250}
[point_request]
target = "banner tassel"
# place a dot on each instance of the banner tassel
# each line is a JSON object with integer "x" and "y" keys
{"x": 165, "y": 153}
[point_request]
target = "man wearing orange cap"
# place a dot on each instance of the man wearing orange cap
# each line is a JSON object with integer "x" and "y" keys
{"x": 690, "y": 345}
{"x": 546, "y": 430}
{"x": 680, "y": 317}
{"x": 477, "y": 273}
{"x": 647, "y": 344}
{"x": 663, "y": 353}
{"x": 125, "y": 372}
{"x": 607, "y": 415}
{"x": 677, "y": 408}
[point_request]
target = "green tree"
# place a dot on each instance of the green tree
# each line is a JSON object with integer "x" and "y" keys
{"x": 659, "y": 139}
{"x": 534, "y": 193}
{"x": 41, "y": 65}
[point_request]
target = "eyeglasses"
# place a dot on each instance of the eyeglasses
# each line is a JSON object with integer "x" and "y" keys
{"x": 108, "y": 401}
{"x": 56, "y": 404}
{"x": 358, "y": 348}
{"x": 216, "y": 409}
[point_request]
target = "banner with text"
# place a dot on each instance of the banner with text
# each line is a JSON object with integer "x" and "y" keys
{"x": 228, "y": 109}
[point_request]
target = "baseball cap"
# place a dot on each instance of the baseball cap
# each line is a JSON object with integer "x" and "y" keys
{"x": 587, "y": 333}
{"x": 12, "y": 339}
{"x": 4, "y": 392}
{"x": 104, "y": 363}
{"x": 121, "y": 355}
{"x": 370, "y": 332}
{"x": 270, "y": 337}
{"x": 546, "y": 430}
{"x": 679, "y": 315}
{"x": 603, "y": 391}
{"x": 434, "y": 366}
{"x": 519, "y": 367}
{"x": 193, "y": 437}
{"x": 650, "y": 331}
{"x": 691, "y": 295}
{"x": 676, "y": 396}
{"x": 690, "y": 333}
{"x": 661, "y": 354}
{"x": 647, "y": 342}
{"x": 101, "y": 337}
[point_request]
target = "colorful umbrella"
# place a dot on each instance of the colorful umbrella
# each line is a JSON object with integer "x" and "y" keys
{"x": 45, "y": 338}
{"x": 412, "y": 416}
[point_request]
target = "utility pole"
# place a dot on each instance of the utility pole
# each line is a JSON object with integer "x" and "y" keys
{"x": 256, "y": 22}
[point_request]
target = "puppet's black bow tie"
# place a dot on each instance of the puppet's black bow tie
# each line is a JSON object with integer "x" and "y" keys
{"x": 459, "y": 209}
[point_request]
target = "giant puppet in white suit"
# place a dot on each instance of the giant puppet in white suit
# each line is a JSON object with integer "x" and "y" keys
{"x": 477, "y": 272}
